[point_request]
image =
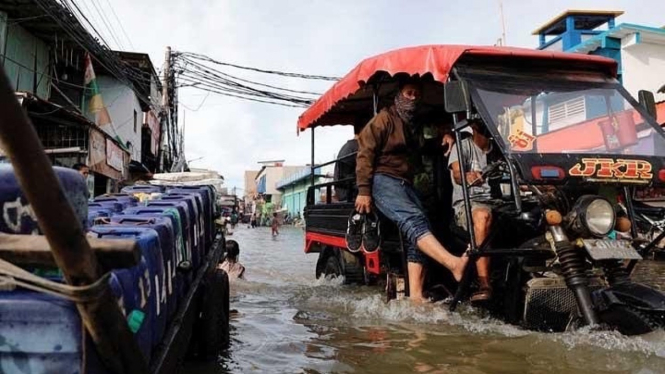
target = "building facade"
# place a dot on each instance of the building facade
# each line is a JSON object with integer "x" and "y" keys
{"x": 294, "y": 189}
{"x": 268, "y": 177}
{"x": 88, "y": 104}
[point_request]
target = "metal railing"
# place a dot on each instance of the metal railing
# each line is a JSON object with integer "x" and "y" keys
{"x": 348, "y": 183}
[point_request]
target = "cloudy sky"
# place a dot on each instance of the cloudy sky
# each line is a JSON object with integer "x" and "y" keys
{"x": 313, "y": 37}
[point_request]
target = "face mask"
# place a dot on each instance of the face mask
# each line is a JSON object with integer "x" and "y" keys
{"x": 406, "y": 108}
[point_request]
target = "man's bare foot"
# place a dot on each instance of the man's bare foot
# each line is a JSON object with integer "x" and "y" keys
{"x": 418, "y": 300}
{"x": 458, "y": 269}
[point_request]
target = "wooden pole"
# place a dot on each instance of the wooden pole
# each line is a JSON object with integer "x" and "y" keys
{"x": 34, "y": 250}
{"x": 57, "y": 220}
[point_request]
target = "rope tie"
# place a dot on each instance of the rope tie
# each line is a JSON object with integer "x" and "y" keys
{"x": 12, "y": 276}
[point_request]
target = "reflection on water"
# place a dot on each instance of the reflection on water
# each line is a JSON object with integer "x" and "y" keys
{"x": 289, "y": 322}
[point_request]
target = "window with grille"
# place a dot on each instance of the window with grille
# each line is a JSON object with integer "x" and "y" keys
{"x": 567, "y": 113}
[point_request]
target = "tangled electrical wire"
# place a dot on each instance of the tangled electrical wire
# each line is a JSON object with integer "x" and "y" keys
{"x": 204, "y": 73}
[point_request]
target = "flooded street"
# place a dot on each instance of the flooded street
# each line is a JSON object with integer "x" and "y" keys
{"x": 289, "y": 322}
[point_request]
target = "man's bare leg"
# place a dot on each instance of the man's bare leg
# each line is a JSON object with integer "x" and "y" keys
{"x": 431, "y": 247}
{"x": 482, "y": 221}
{"x": 416, "y": 280}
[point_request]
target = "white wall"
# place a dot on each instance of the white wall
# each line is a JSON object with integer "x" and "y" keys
{"x": 121, "y": 103}
{"x": 557, "y": 47}
{"x": 643, "y": 66}
{"x": 273, "y": 175}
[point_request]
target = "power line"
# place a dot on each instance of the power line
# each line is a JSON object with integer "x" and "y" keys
{"x": 200, "y": 105}
{"x": 66, "y": 4}
{"x": 207, "y": 86}
{"x": 120, "y": 24}
{"x": 187, "y": 61}
{"x": 102, "y": 17}
{"x": 286, "y": 74}
{"x": 199, "y": 76}
{"x": 240, "y": 88}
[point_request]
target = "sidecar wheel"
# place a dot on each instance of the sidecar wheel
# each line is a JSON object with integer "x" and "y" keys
{"x": 630, "y": 321}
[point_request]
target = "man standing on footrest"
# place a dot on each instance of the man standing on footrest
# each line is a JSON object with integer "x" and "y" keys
{"x": 384, "y": 175}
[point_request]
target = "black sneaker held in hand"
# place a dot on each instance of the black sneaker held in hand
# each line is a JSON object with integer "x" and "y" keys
{"x": 371, "y": 233}
{"x": 354, "y": 231}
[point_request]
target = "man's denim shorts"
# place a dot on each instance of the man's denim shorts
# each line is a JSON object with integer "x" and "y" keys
{"x": 398, "y": 201}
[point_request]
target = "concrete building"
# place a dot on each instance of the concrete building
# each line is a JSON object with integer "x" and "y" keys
{"x": 250, "y": 182}
{"x": 47, "y": 67}
{"x": 294, "y": 189}
{"x": 266, "y": 180}
{"x": 638, "y": 49}
{"x": 250, "y": 193}
{"x": 89, "y": 104}
{"x": 134, "y": 110}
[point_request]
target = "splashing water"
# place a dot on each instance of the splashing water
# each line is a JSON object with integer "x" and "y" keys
{"x": 290, "y": 322}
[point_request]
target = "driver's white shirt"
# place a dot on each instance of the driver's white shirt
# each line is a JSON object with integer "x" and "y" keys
{"x": 475, "y": 159}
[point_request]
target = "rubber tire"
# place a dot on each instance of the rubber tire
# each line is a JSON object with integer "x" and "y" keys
{"x": 213, "y": 332}
{"x": 629, "y": 321}
{"x": 354, "y": 271}
{"x": 328, "y": 264}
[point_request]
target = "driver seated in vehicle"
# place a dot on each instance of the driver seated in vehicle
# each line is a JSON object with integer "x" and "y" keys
{"x": 478, "y": 151}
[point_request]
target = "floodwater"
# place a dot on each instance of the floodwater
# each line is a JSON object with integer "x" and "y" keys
{"x": 289, "y": 322}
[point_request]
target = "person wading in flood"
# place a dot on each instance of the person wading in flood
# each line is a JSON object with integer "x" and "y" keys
{"x": 274, "y": 224}
{"x": 384, "y": 176}
{"x": 231, "y": 265}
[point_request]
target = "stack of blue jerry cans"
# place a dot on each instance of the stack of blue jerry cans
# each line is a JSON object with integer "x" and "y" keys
{"x": 173, "y": 227}
{"x": 41, "y": 333}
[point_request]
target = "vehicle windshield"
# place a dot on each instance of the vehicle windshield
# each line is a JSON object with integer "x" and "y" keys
{"x": 551, "y": 114}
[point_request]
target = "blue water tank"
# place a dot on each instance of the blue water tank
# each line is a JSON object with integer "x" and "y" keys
{"x": 180, "y": 230}
{"x": 188, "y": 232}
{"x": 42, "y": 333}
{"x": 194, "y": 222}
{"x": 95, "y": 214}
{"x": 149, "y": 281}
{"x": 164, "y": 228}
{"x": 199, "y": 212}
{"x": 124, "y": 199}
{"x": 129, "y": 287}
{"x": 17, "y": 214}
{"x": 115, "y": 206}
{"x": 207, "y": 195}
{"x": 119, "y": 195}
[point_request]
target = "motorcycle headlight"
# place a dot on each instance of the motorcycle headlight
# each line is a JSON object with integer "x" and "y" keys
{"x": 592, "y": 215}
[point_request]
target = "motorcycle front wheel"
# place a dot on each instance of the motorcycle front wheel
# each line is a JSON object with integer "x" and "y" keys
{"x": 629, "y": 320}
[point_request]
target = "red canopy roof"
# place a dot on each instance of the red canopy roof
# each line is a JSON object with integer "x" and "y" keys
{"x": 434, "y": 59}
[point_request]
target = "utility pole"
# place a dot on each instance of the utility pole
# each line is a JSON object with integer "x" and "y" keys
{"x": 503, "y": 24}
{"x": 165, "y": 105}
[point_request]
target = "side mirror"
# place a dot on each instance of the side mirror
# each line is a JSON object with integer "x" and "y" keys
{"x": 456, "y": 97}
{"x": 648, "y": 101}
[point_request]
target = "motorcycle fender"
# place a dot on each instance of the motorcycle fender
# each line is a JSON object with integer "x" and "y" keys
{"x": 636, "y": 295}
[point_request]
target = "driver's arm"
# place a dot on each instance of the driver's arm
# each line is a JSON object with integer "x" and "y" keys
{"x": 472, "y": 177}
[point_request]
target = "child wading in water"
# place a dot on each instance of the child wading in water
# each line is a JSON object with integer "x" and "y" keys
{"x": 231, "y": 265}
{"x": 274, "y": 224}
